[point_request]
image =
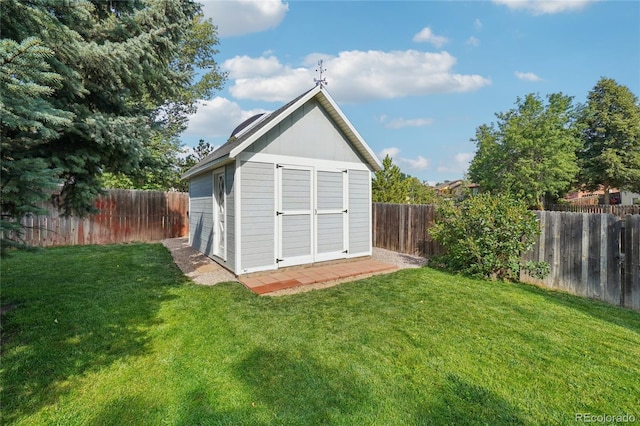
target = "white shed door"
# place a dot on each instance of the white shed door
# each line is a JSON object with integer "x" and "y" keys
{"x": 219, "y": 213}
{"x": 331, "y": 215}
{"x": 295, "y": 217}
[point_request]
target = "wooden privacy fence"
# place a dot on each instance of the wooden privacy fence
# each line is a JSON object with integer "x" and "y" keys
{"x": 403, "y": 228}
{"x": 590, "y": 254}
{"x": 125, "y": 216}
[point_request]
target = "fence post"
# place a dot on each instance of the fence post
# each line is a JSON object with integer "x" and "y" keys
{"x": 631, "y": 262}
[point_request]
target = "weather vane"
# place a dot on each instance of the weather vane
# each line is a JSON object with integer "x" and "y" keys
{"x": 320, "y": 81}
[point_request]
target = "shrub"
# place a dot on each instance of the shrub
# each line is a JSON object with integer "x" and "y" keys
{"x": 486, "y": 236}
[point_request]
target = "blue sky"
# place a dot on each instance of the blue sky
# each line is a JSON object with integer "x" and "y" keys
{"x": 415, "y": 78}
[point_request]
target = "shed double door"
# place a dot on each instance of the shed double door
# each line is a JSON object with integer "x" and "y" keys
{"x": 312, "y": 215}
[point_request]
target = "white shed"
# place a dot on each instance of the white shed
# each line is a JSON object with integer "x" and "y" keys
{"x": 289, "y": 187}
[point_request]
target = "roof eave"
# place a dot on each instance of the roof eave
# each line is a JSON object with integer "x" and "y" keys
{"x": 220, "y": 161}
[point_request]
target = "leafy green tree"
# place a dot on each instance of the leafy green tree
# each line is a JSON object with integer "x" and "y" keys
{"x": 530, "y": 153}
{"x": 610, "y": 153}
{"x": 486, "y": 236}
{"x": 128, "y": 75}
{"x": 419, "y": 193}
{"x": 389, "y": 185}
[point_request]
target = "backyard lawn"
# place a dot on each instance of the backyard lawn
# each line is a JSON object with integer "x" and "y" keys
{"x": 116, "y": 335}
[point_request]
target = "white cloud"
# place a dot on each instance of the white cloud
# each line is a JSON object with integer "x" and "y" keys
{"x": 418, "y": 163}
{"x": 477, "y": 24}
{"x": 426, "y": 35}
{"x": 238, "y": 17}
{"x": 391, "y": 152}
{"x": 398, "y": 123}
{"x": 527, "y": 76}
{"x": 472, "y": 41}
{"x": 353, "y": 76}
{"x": 542, "y": 7}
{"x": 217, "y": 117}
{"x": 459, "y": 164}
{"x": 245, "y": 66}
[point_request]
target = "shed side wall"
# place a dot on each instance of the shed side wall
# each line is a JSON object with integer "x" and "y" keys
{"x": 201, "y": 214}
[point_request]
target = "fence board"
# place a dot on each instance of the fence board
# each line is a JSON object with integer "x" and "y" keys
{"x": 631, "y": 281}
{"x": 404, "y": 228}
{"x": 124, "y": 216}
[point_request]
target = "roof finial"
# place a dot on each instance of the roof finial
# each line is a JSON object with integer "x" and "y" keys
{"x": 320, "y": 81}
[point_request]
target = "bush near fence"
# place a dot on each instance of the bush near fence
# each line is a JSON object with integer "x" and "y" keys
{"x": 595, "y": 255}
{"x": 124, "y": 216}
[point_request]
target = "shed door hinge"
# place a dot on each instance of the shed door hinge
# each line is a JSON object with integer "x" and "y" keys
{"x": 279, "y": 213}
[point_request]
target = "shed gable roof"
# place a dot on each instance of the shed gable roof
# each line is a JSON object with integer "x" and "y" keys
{"x": 252, "y": 129}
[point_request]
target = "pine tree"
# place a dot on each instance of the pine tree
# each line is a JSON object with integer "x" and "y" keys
{"x": 28, "y": 120}
{"x": 610, "y": 154}
{"x": 104, "y": 82}
{"x": 389, "y": 185}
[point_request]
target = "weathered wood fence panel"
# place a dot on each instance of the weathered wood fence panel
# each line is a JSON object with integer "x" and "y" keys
{"x": 403, "y": 228}
{"x": 594, "y": 255}
{"x": 590, "y": 254}
{"x": 125, "y": 216}
{"x": 617, "y": 210}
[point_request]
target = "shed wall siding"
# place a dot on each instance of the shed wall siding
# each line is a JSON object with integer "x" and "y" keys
{"x": 359, "y": 212}
{"x": 257, "y": 237}
{"x": 307, "y": 132}
{"x": 201, "y": 214}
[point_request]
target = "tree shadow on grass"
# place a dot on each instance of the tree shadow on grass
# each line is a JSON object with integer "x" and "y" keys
{"x": 286, "y": 388}
{"x": 72, "y": 320}
{"x": 594, "y": 308}
{"x": 461, "y": 403}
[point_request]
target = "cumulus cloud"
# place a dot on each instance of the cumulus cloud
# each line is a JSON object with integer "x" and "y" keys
{"x": 398, "y": 123}
{"x": 472, "y": 41}
{"x": 217, "y": 117}
{"x": 548, "y": 7}
{"x": 391, "y": 152}
{"x": 353, "y": 76}
{"x": 427, "y": 36}
{"x": 245, "y": 66}
{"x": 418, "y": 163}
{"x": 459, "y": 163}
{"x": 527, "y": 76}
{"x": 238, "y": 17}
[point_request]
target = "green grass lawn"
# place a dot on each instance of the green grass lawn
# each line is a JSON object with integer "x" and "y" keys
{"x": 116, "y": 335}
